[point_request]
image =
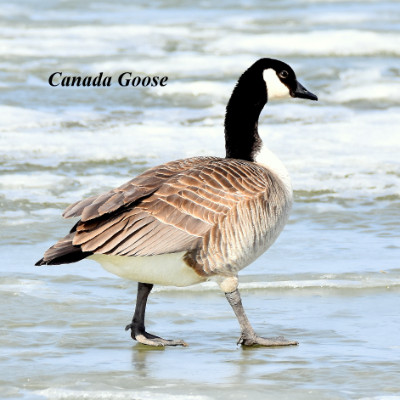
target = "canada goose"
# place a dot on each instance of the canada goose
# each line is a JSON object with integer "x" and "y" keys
{"x": 195, "y": 219}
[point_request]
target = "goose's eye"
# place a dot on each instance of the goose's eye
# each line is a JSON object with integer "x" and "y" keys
{"x": 283, "y": 74}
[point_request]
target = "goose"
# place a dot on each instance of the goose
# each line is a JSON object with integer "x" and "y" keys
{"x": 195, "y": 219}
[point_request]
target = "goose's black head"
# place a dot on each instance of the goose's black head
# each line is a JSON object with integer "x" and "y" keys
{"x": 265, "y": 79}
{"x": 279, "y": 78}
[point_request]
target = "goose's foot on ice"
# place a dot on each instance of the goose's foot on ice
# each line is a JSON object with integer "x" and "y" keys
{"x": 141, "y": 336}
{"x": 254, "y": 340}
{"x": 248, "y": 336}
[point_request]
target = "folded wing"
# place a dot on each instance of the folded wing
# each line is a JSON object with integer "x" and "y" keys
{"x": 167, "y": 209}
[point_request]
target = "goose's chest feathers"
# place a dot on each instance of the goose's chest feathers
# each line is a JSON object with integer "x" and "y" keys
{"x": 269, "y": 160}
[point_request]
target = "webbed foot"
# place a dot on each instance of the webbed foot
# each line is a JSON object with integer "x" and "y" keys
{"x": 141, "y": 336}
{"x": 268, "y": 342}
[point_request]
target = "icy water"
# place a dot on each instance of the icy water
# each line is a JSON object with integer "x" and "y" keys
{"x": 332, "y": 280}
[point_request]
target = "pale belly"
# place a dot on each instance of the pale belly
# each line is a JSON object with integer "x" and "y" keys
{"x": 165, "y": 269}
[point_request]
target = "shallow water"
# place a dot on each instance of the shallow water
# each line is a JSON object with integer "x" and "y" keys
{"x": 332, "y": 280}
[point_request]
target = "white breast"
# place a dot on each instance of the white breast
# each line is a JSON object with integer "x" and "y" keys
{"x": 166, "y": 269}
{"x": 269, "y": 160}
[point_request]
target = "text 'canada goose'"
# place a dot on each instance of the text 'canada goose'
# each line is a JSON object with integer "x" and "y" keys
{"x": 194, "y": 219}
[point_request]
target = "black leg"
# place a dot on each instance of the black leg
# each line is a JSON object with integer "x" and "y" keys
{"x": 248, "y": 337}
{"x": 143, "y": 292}
{"x": 138, "y": 331}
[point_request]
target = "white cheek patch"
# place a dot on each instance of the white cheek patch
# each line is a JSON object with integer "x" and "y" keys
{"x": 275, "y": 87}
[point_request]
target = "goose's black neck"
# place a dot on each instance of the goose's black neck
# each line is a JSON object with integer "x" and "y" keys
{"x": 242, "y": 112}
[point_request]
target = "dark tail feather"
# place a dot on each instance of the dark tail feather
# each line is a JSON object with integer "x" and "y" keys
{"x": 63, "y": 252}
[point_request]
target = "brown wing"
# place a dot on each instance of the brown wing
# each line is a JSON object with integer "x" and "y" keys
{"x": 139, "y": 187}
{"x": 169, "y": 208}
